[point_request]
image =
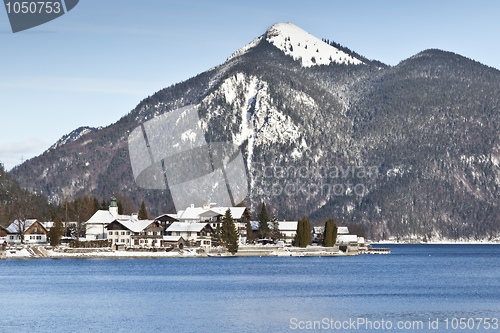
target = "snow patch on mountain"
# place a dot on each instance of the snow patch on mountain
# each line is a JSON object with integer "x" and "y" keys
{"x": 73, "y": 136}
{"x": 301, "y": 45}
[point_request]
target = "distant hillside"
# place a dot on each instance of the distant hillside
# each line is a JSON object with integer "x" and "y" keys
{"x": 18, "y": 203}
{"x": 406, "y": 151}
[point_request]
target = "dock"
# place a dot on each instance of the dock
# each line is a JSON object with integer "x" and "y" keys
{"x": 377, "y": 250}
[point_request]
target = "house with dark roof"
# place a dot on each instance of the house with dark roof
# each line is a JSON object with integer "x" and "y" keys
{"x": 135, "y": 233}
{"x": 197, "y": 233}
{"x": 30, "y": 231}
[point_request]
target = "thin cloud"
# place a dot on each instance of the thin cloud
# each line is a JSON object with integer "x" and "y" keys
{"x": 14, "y": 153}
{"x": 93, "y": 85}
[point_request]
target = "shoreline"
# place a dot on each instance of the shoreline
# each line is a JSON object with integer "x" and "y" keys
{"x": 40, "y": 252}
{"x": 443, "y": 242}
{"x": 47, "y": 252}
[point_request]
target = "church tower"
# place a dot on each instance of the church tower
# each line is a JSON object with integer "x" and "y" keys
{"x": 113, "y": 207}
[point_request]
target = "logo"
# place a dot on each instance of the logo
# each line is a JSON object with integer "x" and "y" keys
{"x": 170, "y": 151}
{"x": 25, "y": 15}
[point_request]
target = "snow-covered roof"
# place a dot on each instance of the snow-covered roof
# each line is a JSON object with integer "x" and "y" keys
{"x": 135, "y": 225}
{"x": 101, "y": 217}
{"x": 282, "y": 225}
{"x": 14, "y": 226}
{"x": 342, "y": 231}
{"x": 347, "y": 238}
{"x": 172, "y": 238}
{"x": 197, "y": 213}
{"x": 50, "y": 224}
{"x": 288, "y": 225}
{"x": 173, "y": 216}
{"x": 236, "y": 212}
{"x": 190, "y": 213}
{"x": 186, "y": 227}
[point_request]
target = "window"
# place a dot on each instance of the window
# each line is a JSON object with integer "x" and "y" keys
{"x": 128, "y": 232}
{"x": 122, "y": 240}
{"x": 39, "y": 237}
{"x": 11, "y": 237}
{"x": 111, "y": 233}
{"x": 123, "y": 232}
{"x": 127, "y": 241}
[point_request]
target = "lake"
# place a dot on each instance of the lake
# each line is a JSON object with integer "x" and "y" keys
{"x": 413, "y": 287}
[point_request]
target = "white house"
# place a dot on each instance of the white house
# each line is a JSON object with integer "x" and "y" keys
{"x": 207, "y": 215}
{"x": 288, "y": 229}
{"x": 215, "y": 215}
{"x": 95, "y": 227}
{"x": 34, "y": 232}
{"x": 194, "y": 232}
{"x": 133, "y": 232}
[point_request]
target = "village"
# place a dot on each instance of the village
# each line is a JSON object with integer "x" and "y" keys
{"x": 189, "y": 232}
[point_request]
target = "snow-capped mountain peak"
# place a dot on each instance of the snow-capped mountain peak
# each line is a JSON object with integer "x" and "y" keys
{"x": 300, "y": 45}
{"x": 303, "y": 46}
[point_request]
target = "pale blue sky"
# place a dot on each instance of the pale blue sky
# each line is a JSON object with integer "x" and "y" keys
{"x": 96, "y": 63}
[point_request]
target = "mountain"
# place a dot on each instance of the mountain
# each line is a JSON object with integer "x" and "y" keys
{"x": 17, "y": 203}
{"x": 73, "y": 136}
{"x": 406, "y": 151}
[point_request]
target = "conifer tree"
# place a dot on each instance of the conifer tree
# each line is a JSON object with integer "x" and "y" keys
{"x": 56, "y": 232}
{"x": 120, "y": 207}
{"x": 330, "y": 233}
{"x": 275, "y": 232}
{"x": 299, "y": 233}
{"x": 263, "y": 219}
{"x": 96, "y": 204}
{"x": 229, "y": 233}
{"x": 303, "y": 236}
{"x": 143, "y": 213}
{"x": 307, "y": 231}
{"x": 250, "y": 235}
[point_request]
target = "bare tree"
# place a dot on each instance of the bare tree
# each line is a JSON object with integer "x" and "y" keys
{"x": 21, "y": 209}
{"x": 80, "y": 211}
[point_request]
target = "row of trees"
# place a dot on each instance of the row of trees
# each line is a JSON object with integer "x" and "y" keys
{"x": 266, "y": 231}
{"x": 303, "y": 236}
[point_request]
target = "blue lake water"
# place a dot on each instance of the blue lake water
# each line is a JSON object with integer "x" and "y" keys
{"x": 416, "y": 283}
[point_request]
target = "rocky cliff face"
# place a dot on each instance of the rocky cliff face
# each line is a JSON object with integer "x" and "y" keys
{"x": 410, "y": 150}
